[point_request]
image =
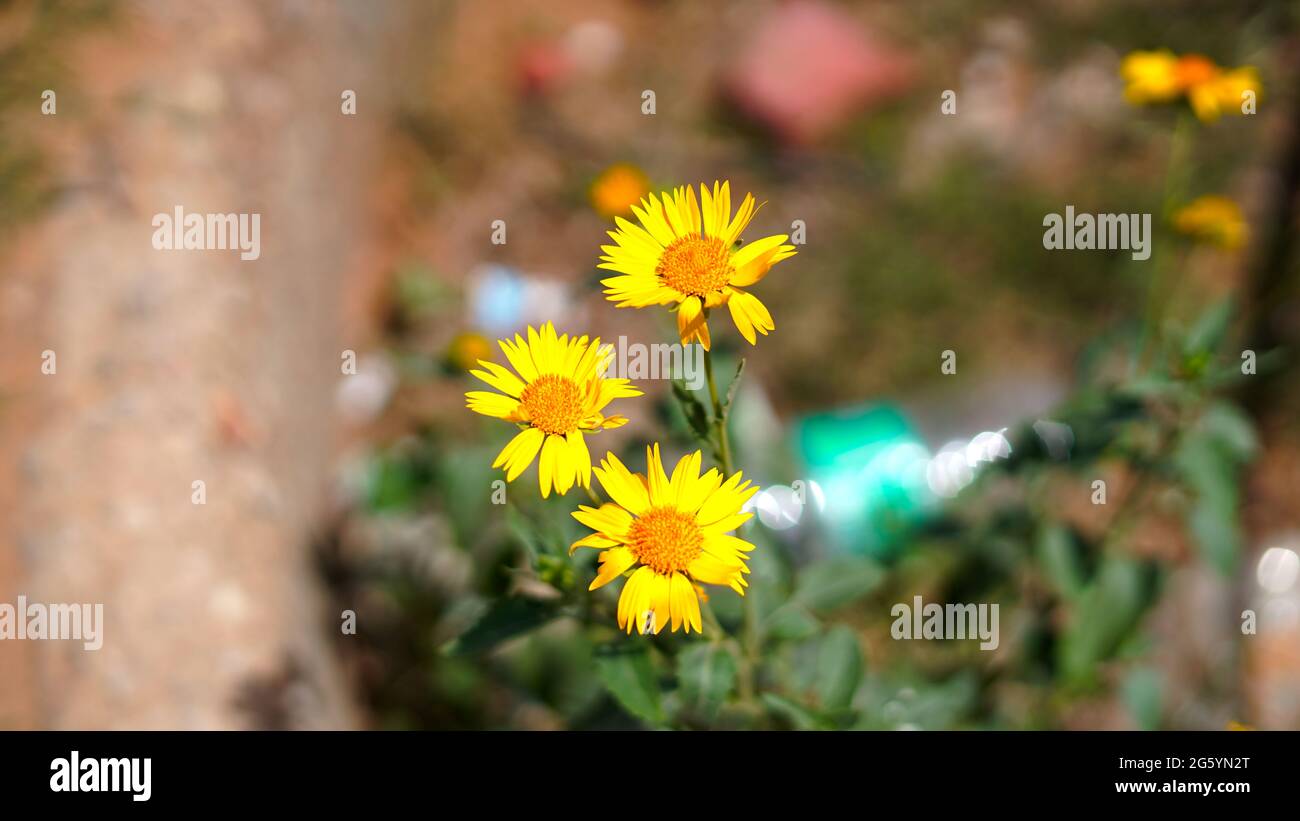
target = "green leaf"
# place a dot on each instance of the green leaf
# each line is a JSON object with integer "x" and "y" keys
{"x": 1061, "y": 558}
{"x": 791, "y": 622}
{"x": 1230, "y": 429}
{"x": 1104, "y": 615}
{"x": 1142, "y": 694}
{"x": 733, "y": 387}
{"x": 826, "y": 585}
{"x": 630, "y": 678}
{"x": 839, "y": 668}
{"x": 1215, "y": 533}
{"x": 504, "y": 620}
{"x": 1207, "y": 333}
{"x": 799, "y": 717}
{"x": 707, "y": 674}
{"x": 1210, "y": 472}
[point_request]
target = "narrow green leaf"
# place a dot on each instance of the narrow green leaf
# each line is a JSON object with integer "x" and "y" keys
{"x": 504, "y": 620}
{"x": 733, "y": 387}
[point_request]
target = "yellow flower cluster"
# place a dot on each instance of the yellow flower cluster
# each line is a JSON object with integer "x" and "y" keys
{"x": 667, "y": 532}
{"x": 1153, "y": 77}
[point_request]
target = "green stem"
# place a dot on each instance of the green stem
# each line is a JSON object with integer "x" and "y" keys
{"x": 1175, "y": 192}
{"x": 719, "y": 418}
{"x": 749, "y": 635}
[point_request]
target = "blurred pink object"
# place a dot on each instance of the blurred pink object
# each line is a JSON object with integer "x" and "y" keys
{"x": 809, "y": 67}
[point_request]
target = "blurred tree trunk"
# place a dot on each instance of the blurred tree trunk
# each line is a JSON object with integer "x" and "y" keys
{"x": 182, "y": 366}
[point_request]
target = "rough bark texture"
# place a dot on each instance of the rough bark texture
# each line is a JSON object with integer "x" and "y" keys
{"x": 177, "y": 366}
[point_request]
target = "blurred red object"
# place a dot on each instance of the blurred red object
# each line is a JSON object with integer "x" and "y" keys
{"x": 541, "y": 66}
{"x": 809, "y": 67}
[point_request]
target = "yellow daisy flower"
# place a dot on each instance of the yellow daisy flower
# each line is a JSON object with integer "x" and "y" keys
{"x": 1213, "y": 219}
{"x": 617, "y": 189}
{"x": 675, "y": 531}
{"x": 1150, "y": 77}
{"x": 684, "y": 252}
{"x": 558, "y": 396}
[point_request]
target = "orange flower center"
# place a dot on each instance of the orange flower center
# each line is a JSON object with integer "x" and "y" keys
{"x": 1193, "y": 70}
{"x": 553, "y": 404}
{"x": 696, "y": 265}
{"x": 665, "y": 540}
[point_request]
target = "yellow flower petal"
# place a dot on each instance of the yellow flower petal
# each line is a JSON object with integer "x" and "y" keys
{"x": 691, "y": 325}
{"x": 635, "y": 600}
{"x": 660, "y": 489}
{"x": 546, "y": 467}
{"x": 661, "y": 602}
{"x": 520, "y": 452}
{"x": 686, "y": 470}
{"x": 581, "y": 458}
{"x": 518, "y": 356}
{"x": 594, "y": 540}
{"x": 491, "y": 404}
{"x": 750, "y": 315}
{"x": 609, "y": 520}
{"x": 685, "y": 604}
{"x": 621, "y": 485}
{"x": 612, "y": 565}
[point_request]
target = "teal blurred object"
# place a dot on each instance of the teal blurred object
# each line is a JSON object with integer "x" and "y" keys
{"x": 870, "y": 464}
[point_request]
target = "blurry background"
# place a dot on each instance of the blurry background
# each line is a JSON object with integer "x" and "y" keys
{"x": 887, "y": 478}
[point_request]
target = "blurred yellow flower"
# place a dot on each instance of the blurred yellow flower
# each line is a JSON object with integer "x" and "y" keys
{"x": 1150, "y": 77}
{"x": 558, "y": 396}
{"x": 1228, "y": 93}
{"x": 466, "y": 349}
{"x": 1213, "y": 219}
{"x": 685, "y": 252}
{"x": 675, "y": 531}
{"x": 617, "y": 189}
{"x": 1161, "y": 77}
